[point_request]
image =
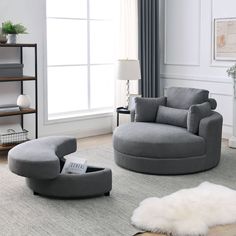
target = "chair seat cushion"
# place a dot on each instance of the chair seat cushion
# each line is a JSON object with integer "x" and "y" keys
{"x": 153, "y": 140}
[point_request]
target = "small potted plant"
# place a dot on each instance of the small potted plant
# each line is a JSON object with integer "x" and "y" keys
{"x": 12, "y": 30}
{"x": 232, "y": 71}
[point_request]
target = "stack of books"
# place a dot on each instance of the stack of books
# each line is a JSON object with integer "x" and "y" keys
{"x": 9, "y": 108}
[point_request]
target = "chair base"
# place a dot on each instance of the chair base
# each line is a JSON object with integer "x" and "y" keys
{"x": 158, "y": 166}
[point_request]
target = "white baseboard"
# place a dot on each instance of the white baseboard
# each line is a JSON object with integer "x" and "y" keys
{"x": 79, "y": 133}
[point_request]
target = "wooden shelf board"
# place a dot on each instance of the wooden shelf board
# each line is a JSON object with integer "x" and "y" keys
{"x": 8, "y": 147}
{"x": 8, "y": 45}
{"x": 24, "y": 78}
{"x": 22, "y": 111}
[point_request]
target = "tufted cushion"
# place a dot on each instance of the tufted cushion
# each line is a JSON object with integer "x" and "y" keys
{"x": 146, "y": 108}
{"x": 40, "y": 158}
{"x": 172, "y": 116}
{"x": 183, "y": 98}
{"x": 195, "y": 114}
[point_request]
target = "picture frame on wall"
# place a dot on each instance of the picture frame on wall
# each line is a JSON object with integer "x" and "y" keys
{"x": 225, "y": 39}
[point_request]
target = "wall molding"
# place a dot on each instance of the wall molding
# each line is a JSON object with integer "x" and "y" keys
{"x": 224, "y": 95}
{"x": 221, "y": 94}
{"x": 165, "y": 61}
{"x": 205, "y": 79}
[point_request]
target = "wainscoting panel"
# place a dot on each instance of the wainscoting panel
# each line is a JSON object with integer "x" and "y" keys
{"x": 224, "y": 100}
{"x": 182, "y": 32}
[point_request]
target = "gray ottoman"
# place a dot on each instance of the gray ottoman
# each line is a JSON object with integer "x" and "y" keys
{"x": 41, "y": 161}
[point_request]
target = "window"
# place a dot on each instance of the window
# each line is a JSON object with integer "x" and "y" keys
{"x": 80, "y": 56}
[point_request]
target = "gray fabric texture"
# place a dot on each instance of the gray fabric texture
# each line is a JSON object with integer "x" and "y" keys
{"x": 40, "y": 158}
{"x": 161, "y": 166}
{"x": 97, "y": 181}
{"x": 172, "y": 116}
{"x": 23, "y": 214}
{"x": 146, "y": 108}
{"x": 157, "y": 148}
{"x": 153, "y": 140}
{"x": 195, "y": 114}
{"x": 210, "y": 128}
{"x": 148, "y": 46}
{"x": 213, "y": 103}
{"x": 183, "y": 98}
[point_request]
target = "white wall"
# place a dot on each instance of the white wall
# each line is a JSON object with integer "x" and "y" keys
{"x": 186, "y": 50}
{"x": 32, "y": 14}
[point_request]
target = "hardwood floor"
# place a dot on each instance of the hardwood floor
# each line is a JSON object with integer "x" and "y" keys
{"x": 227, "y": 230}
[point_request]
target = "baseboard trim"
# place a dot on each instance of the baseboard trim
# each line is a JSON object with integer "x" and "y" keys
{"x": 80, "y": 133}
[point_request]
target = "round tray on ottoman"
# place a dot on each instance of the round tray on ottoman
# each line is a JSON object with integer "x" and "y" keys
{"x": 41, "y": 162}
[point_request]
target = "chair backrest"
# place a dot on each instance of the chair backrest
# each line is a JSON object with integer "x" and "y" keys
{"x": 183, "y": 98}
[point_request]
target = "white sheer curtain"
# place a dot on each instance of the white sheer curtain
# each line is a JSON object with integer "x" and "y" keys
{"x": 127, "y": 44}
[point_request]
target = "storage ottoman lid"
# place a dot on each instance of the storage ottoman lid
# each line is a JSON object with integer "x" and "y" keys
{"x": 40, "y": 158}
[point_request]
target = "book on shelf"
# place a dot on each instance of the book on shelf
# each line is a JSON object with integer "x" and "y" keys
{"x": 9, "y": 108}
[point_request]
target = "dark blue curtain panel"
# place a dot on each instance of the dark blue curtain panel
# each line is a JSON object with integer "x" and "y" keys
{"x": 148, "y": 27}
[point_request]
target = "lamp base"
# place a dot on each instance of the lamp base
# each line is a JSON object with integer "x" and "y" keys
{"x": 127, "y": 94}
{"x": 232, "y": 142}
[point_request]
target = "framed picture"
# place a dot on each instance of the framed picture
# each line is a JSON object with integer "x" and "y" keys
{"x": 131, "y": 104}
{"x": 225, "y": 39}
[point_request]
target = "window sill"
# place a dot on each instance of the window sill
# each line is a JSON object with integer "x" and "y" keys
{"x": 64, "y": 118}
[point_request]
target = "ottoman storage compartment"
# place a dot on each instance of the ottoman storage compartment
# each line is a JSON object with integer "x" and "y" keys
{"x": 96, "y": 181}
{"x": 41, "y": 161}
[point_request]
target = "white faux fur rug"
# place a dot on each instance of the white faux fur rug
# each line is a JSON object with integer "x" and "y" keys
{"x": 188, "y": 211}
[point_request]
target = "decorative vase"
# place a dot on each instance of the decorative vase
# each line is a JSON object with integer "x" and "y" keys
{"x": 3, "y": 39}
{"x": 11, "y": 38}
{"x": 23, "y": 101}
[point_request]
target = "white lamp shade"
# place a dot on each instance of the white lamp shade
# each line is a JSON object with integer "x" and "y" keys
{"x": 128, "y": 70}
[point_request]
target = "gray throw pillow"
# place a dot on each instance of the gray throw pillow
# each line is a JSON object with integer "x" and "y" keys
{"x": 195, "y": 114}
{"x": 146, "y": 108}
{"x": 172, "y": 116}
{"x": 183, "y": 98}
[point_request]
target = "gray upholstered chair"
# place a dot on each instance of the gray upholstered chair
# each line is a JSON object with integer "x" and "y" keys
{"x": 176, "y": 134}
{"x": 41, "y": 161}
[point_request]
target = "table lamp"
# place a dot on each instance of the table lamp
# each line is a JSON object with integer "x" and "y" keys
{"x": 128, "y": 70}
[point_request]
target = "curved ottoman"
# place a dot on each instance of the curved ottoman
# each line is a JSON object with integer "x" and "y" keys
{"x": 41, "y": 161}
{"x": 155, "y": 148}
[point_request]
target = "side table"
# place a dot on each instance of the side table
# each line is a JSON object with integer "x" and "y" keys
{"x": 121, "y": 110}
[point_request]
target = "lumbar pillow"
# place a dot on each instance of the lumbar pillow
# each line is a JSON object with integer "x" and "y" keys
{"x": 187, "y": 212}
{"x": 146, "y": 108}
{"x": 172, "y": 116}
{"x": 195, "y": 114}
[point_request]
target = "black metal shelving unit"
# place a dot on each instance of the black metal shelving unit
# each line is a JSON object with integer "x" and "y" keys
{"x": 22, "y": 79}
